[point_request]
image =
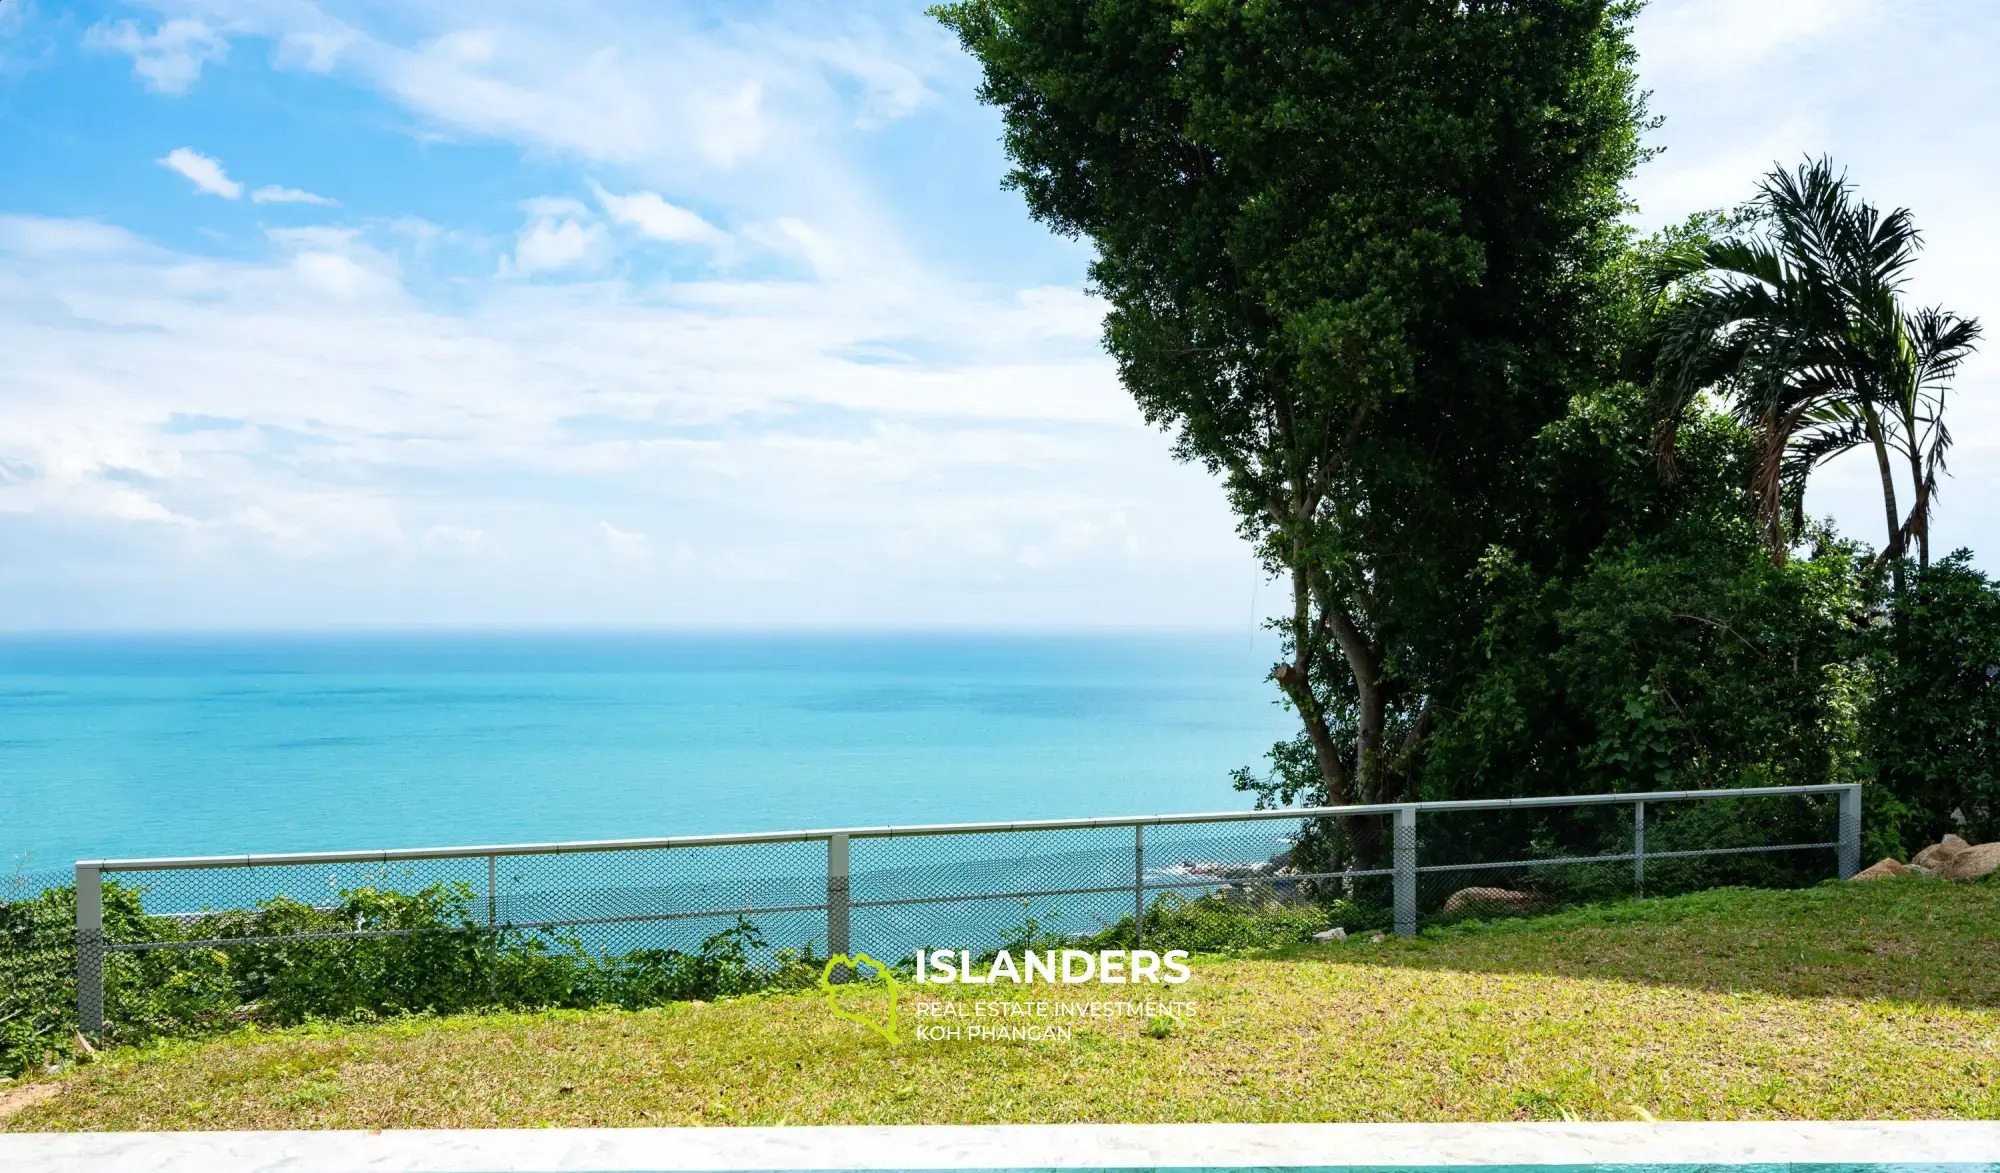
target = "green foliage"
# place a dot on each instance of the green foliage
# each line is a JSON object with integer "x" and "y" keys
{"x": 725, "y": 965}
{"x": 37, "y": 1003}
{"x": 1676, "y": 655}
{"x": 1219, "y": 924}
{"x": 430, "y": 955}
{"x": 1680, "y": 661}
{"x": 1934, "y": 726}
{"x": 425, "y": 967}
{"x": 1645, "y": 641}
{"x": 149, "y": 993}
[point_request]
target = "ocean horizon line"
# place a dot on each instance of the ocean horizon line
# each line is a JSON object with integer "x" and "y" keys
{"x": 618, "y": 629}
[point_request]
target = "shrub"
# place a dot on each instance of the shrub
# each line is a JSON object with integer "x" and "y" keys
{"x": 429, "y": 955}
{"x": 1934, "y": 726}
{"x": 1221, "y": 923}
{"x": 148, "y": 994}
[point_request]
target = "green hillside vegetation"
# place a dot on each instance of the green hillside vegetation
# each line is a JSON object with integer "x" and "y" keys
{"x": 1837, "y": 1002}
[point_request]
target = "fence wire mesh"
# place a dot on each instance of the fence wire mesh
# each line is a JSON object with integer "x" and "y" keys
{"x": 172, "y": 948}
{"x": 38, "y": 966}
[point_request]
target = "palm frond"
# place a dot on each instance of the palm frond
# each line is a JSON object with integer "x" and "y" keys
{"x": 1799, "y": 325}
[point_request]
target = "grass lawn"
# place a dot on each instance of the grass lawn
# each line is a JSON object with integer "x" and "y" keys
{"x": 1844, "y": 1001}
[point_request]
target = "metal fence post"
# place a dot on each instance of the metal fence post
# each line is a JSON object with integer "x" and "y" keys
{"x": 1850, "y": 831}
{"x": 1404, "y": 854}
{"x": 1639, "y": 848}
{"x": 492, "y": 932}
{"x": 1138, "y": 884}
{"x": 836, "y": 900}
{"x": 89, "y": 951}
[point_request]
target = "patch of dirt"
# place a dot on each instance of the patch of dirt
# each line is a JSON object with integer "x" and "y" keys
{"x": 21, "y": 1098}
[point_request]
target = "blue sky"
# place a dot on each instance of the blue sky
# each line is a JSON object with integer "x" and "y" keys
{"x": 352, "y": 313}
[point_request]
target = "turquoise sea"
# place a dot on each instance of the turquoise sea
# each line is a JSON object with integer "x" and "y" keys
{"x": 128, "y": 746}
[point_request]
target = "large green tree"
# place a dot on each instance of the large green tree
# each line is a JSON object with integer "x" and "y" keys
{"x": 1355, "y": 256}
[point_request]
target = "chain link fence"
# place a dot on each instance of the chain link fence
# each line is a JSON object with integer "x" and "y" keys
{"x": 38, "y": 950}
{"x": 159, "y": 945}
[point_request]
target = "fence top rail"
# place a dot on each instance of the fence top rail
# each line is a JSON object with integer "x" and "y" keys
{"x": 890, "y": 832}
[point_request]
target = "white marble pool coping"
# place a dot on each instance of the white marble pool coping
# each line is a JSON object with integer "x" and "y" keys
{"x": 1054, "y": 1146}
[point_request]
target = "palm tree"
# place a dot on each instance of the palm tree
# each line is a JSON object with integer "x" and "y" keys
{"x": 1897, "y": 370}
{"x": 1930, "y": 346}
{"x": 1760, "y": 318}
{"x": 1799, "y": 324}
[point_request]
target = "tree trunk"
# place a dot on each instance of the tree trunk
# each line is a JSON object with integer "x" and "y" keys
{"x": 1295, "y": 679}
{"x": 1364, "y": 660}
{"x": 1297, "y": 686}
{"x": 1769, "y": 492}
{"x": 1920, "y": 511}
{"x": 1894, "y": 550}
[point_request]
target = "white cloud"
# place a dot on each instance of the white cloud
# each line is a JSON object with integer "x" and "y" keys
{"x": 273, "y": 194}
{"x": 456, "y": 540}
{"x": 1723, "y": 175}
{"x": 336, "y": 262}
{"x": 169, "y": 59}
{"x": 1729, "y": 38}
{"x": 864, "y": 441}
{"x": 334, "y": 274}
{"x": 556, "y": 206}
{"x": 892, "y": 89}
{"x": 314, "y": 50}
{"x": 24, "y": 41}
{"x": 296, "y": 439}
{"x": 625, "y": 546}
{"x": 471, "y": 48}
{"x": 205, "y": 173}
{"x": 209, "y": 177}
{"x": 554, "y": 243}
{"x": 654, "y": 217}
{"x": 617, "y": 81}
{"x": 40, "y": 235}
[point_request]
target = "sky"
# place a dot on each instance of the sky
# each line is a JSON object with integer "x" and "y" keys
{"x": 621, "y": 312}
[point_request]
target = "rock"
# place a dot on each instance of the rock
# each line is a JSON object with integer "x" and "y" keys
{"x": 1376, "y": 939}
{"x": 1935, "y": 856}
{"x": 1972, "y": 863}
{"x": 1334, "y": 934}
{"x": 1472, "y": 898}
{"x": 1882, "y": 871}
